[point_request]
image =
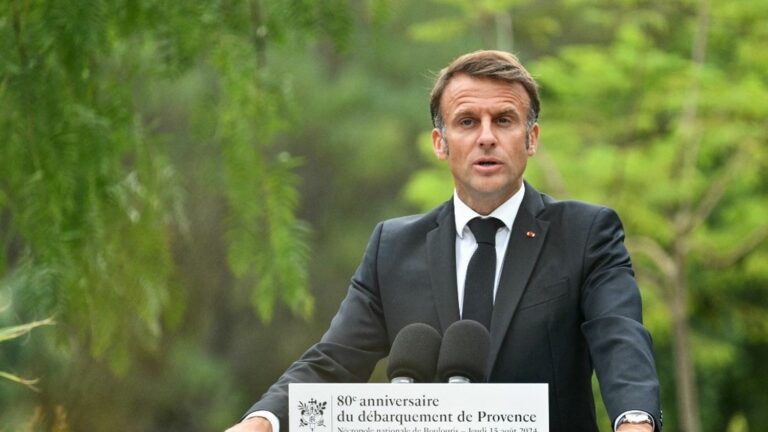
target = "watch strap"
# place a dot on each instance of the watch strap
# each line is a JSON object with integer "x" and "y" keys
{"x": 634, "y": 417}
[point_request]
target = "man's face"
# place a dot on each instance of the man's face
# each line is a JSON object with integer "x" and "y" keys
{"x": 485, "y": 139}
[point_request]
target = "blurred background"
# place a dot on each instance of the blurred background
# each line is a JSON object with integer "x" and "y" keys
{"x": 186, "y": 187}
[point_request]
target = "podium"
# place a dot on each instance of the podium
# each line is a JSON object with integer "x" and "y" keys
{"x": 418, "y": 408}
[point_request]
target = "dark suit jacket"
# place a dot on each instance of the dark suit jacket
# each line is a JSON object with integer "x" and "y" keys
{"x": 567, "y": 302}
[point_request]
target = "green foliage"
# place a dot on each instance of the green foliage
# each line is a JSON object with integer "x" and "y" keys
{"x": 268, "y": 248}
{"x": 88, "y": 198}
{"x": 691, "y": 183}
{"x": 94, "y": 196}
{"x": 468, "y": 17}
{"x": 92, "y": 201}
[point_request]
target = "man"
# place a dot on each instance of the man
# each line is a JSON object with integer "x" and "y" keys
{"x": 562, "y": 299}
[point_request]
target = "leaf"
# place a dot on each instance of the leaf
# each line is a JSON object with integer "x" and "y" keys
{"x": 9, "y": 333}
{"x": 17, "y": 379}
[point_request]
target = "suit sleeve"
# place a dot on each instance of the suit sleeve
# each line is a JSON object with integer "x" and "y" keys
{"x": 348, "y": 352}
{"x": 619, "y": 344}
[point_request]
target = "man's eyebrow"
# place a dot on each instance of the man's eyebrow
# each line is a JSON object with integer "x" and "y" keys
{"x": 464, "y": 113}
{"x": 507, "y": 112}
{"x": 511, "y": 111}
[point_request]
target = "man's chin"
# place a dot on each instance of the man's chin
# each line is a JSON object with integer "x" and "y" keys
{"x": 495, "y": 189}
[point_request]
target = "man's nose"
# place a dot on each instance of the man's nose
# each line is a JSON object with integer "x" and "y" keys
{"x": 487, "y": 138}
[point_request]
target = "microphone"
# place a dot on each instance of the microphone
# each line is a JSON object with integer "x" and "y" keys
{"x": 464, "y": 353}
{"x": 414, "y": 354}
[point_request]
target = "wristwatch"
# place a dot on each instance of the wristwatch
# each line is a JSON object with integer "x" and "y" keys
{"x": 635, "y": 417}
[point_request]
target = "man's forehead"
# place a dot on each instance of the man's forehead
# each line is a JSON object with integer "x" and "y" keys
{"x": 465, "y": 93}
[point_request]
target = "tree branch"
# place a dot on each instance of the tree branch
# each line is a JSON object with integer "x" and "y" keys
{"x": 717, "y": 189}
{"x": 691, "y": 140}
{"x": 656, "y": 253}
{"x": 259, "y": 32}
{"x": 754, "y": 240}
{"x": 17, "y": 30}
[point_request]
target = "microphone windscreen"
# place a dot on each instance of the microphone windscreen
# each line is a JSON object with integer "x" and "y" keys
{"x": 464, "y": 352}
{"x": 414, "y": 353}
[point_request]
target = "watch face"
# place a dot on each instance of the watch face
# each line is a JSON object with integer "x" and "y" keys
{"x": 634, "y": 418}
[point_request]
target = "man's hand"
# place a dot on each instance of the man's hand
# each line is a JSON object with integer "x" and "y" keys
{"x": 626, "y": 427}
{"x": 253, "y": 424}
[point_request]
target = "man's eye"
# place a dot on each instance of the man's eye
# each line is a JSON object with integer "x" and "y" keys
{"x": 466, "y": 122}
{"x": 504, "y": 121}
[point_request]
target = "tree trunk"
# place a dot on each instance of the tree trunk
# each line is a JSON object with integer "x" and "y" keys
{"x": 685, "y": 379}
{"x": 505, "y": 37}
{"x": 687, "y": 398}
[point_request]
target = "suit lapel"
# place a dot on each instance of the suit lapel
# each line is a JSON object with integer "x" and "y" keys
{"x": 525, "y": 243}
{"x": 441, "y": 253}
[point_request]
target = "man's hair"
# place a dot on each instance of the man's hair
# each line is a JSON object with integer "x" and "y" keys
{"x": 496, "y": 65}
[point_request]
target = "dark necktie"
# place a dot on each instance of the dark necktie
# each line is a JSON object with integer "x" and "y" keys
{"x": 481, "y": 272}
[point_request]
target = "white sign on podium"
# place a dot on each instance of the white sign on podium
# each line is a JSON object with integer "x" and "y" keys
{"x": 418, "y": 408}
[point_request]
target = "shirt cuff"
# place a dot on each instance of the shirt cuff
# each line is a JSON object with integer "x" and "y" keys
{"x": 273, "y": 420}
{"x": 616, "y": 422}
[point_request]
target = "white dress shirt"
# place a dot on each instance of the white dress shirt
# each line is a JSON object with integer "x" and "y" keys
{"x": 466, "y": 243}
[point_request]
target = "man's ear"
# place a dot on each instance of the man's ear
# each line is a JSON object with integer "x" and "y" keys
{"x": 439, "y": 145}
{"x": 533, "y": 139}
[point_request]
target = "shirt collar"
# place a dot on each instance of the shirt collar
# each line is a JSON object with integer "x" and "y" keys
{"x": 505, "y": 212}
